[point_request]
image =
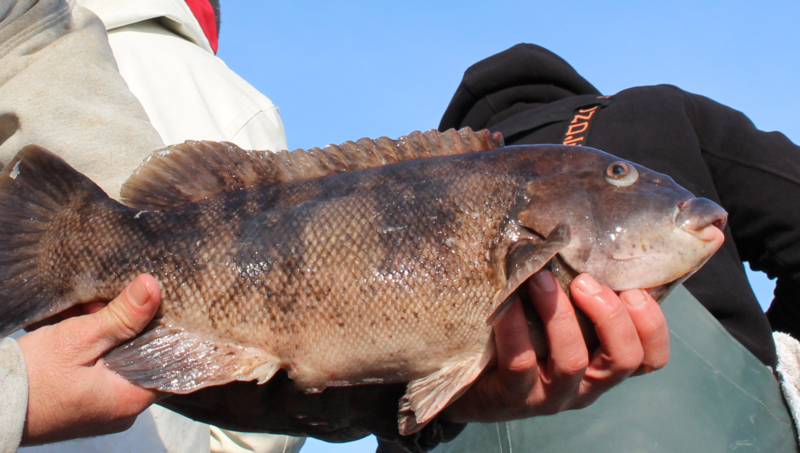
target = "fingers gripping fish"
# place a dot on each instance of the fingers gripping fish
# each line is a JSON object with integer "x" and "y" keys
{"x": 379, "y": 261}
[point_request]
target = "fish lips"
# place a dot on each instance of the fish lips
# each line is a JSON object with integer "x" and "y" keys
{"x": 700, "y": 217}
{"x": 697, "y": 215}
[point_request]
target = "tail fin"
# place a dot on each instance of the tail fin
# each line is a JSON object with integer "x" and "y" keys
{"x": 36, "y": 187}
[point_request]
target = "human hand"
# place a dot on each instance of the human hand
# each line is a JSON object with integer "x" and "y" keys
{"x": 71, "y": 393}
{"x": 633, "y": 336}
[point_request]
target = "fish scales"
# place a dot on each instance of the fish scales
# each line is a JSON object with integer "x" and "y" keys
{"x": 379, "y": 261}
{"x": 332, "y": 265}
{"x": 406, "y": 256}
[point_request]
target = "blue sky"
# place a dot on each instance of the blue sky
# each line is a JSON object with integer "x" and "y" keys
{"x": 344, "y": 70}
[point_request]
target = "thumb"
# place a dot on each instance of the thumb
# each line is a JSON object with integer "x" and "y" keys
{"x": 125, "y": 316}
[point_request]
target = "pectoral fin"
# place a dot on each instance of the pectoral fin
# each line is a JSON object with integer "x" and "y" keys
{"x": 524, "y": 259}
{"x": 171, "y": 359}
{"x": 427, "y": 396}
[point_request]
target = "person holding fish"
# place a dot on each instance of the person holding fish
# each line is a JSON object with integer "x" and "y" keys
{"x": 720, "y": 389}
{"x": 630, "y": 327}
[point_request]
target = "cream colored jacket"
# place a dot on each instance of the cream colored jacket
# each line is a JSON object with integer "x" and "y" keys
{"x": 187, "y": 92}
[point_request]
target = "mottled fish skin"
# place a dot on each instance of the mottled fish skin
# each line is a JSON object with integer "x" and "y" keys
{"x": 380, "y": 275}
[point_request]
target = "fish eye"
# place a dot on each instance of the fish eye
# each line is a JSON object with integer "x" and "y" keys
{"x": 621, "y": 174}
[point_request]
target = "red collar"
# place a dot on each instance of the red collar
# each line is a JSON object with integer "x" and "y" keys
{"x": 204, "y": 13}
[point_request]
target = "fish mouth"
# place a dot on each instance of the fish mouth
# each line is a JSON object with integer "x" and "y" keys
{"x": 701, "y": 217}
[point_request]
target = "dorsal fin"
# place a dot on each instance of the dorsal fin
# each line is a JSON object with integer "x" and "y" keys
{"x": 192, "y": 171}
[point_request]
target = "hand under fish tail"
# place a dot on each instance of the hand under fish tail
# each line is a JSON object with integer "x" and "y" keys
{"x": 62, "y": 241}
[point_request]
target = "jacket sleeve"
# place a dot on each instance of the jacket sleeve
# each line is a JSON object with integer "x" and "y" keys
{"x": 757, "y": 175}
{"x": 60, "y": 88}
{"x": 14, "y": 387}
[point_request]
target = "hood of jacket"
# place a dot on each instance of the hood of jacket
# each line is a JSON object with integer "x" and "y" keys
{"x": 521, "y": 78}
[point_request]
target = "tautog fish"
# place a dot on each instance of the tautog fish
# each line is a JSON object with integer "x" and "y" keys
{"x": 372, "y": 262}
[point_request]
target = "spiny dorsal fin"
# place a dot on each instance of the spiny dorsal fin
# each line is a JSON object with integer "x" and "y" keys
{"x": 192, "y": 171}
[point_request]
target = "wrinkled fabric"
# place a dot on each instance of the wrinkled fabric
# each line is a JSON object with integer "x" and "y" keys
{"x": 201, "y": 99}
{"x": 192, "y": 95}
{"x": 14, "y": 385}
{"x": 225, "y": 441}
{"x": 174, "y": 15}
{"x": 60, "y": 89}
{"x": 789, "y": 373}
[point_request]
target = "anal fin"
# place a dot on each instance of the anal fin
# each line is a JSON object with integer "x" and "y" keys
{"x": 524, "y": 259}
{"x": 425, "y": 397}
{"x": 171, "y": 359}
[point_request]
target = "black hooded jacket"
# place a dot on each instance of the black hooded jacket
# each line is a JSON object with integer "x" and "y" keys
{"x": 530, "y": 95}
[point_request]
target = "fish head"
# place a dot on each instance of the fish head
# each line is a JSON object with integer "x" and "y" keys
{"x": 630, "y": 227}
